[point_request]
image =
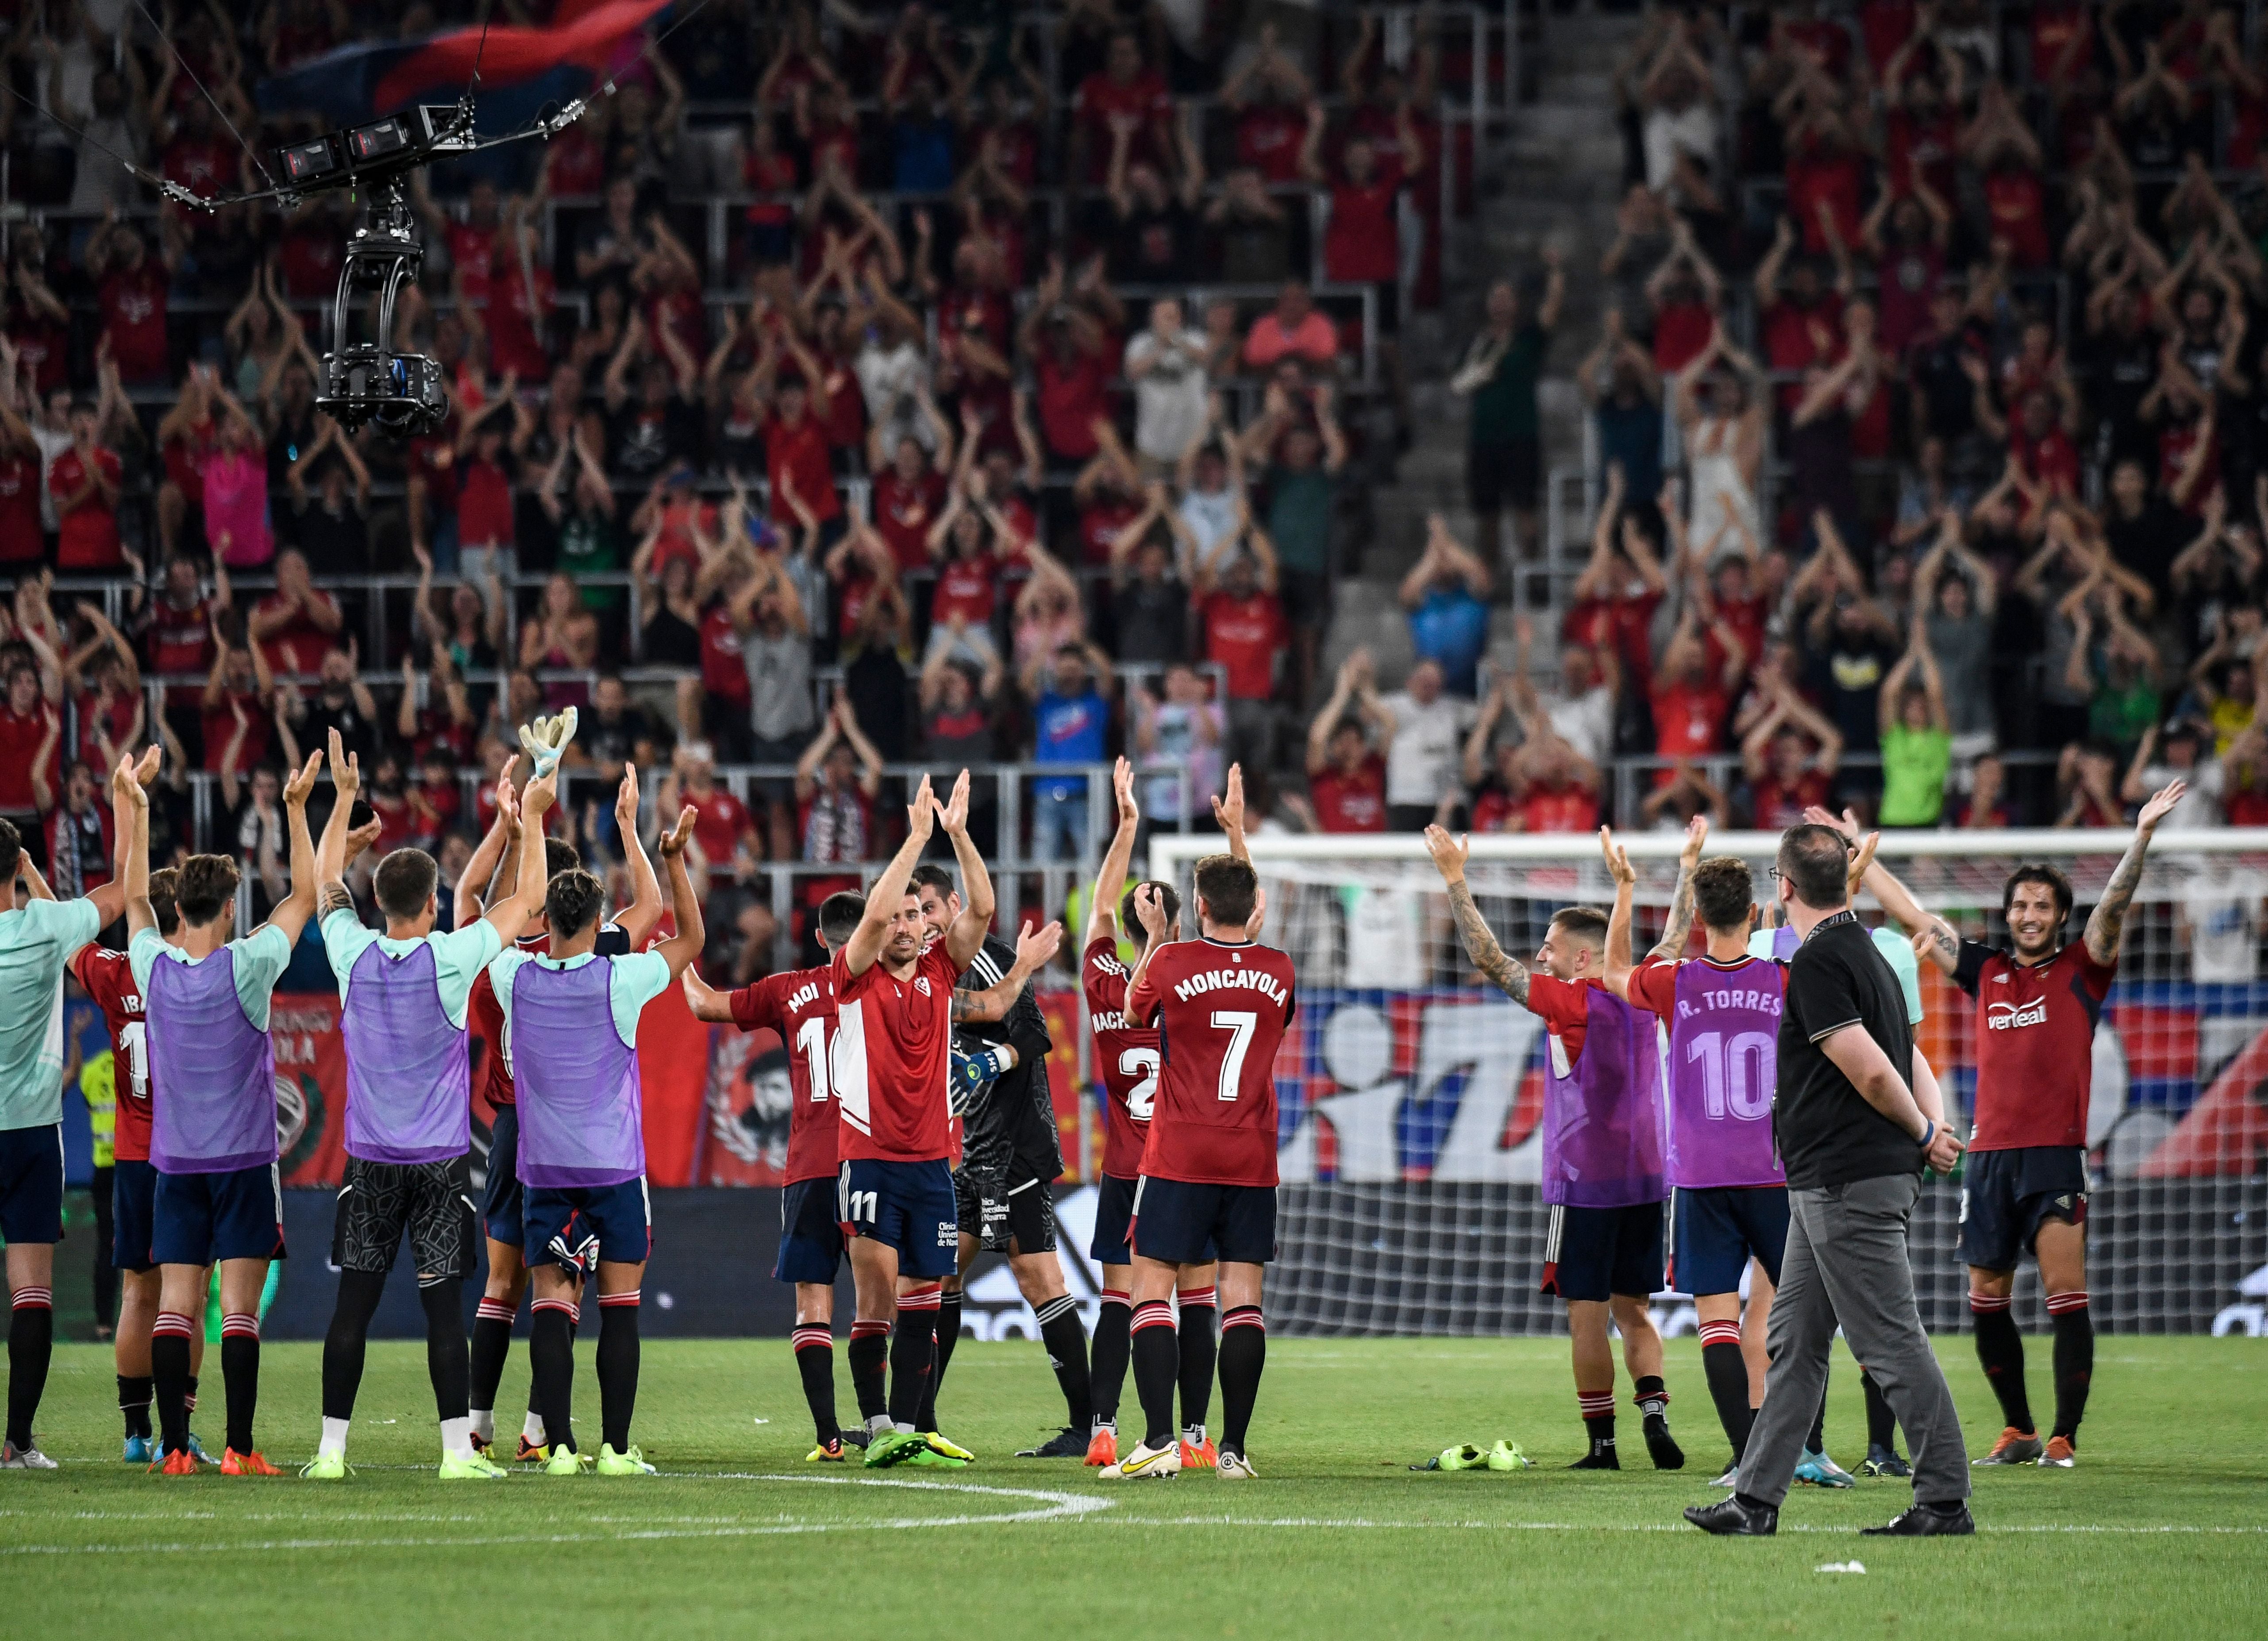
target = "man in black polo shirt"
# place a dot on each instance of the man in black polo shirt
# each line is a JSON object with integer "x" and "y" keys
{"x": 1854, "y": 1134}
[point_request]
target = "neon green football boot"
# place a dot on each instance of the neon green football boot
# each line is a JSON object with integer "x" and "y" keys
{"x": 324, "y": 1467}
{"x": 470, "y": 1466}
{"x": 631, "y": 1462}
{"x": 566, "y": 1461}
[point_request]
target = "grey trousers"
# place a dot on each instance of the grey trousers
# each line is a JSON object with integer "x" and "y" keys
{"x": 1847, "y": 1261}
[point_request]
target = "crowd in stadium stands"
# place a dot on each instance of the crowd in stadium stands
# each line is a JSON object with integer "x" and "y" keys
{"x": 1004, "y": 409}
{"x": 1929, "y": 413}
{"x": 1013, "y": 360}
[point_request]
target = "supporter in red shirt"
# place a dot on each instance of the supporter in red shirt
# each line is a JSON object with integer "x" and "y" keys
{"x": 795, "y": 445}
{"x": 1803, "y": 323}
{"x": 1243, "y": 622}
{"x": 1070, "y": 354}
{"x": 130, "y": 287}
{"x": 1539, "y": 784}
{"x": 1122, "y": 86}
{"x": 725, "y": 695}
{"x": 1690, "y": 702}
{"x": 84, "y": 480}
{"x": 1293, "y": 328}
{"x": 521, "y": 301}
{"x": 30, "y": 725}
{"x": 1824, "y": 180}
{"x": 1619, "y": 590}
{"x": 1346, "y": 774}
{"x": 296, "y": 625}
{"x": 1004, "y": 139}
{"x": 240, "y": 702}
{"x": 908, "y": 495}
{"x": 968, "y": 578}
{"x": 2015, "y": 203}
{"x": 2063, "y": 37}
{"x": 1684, "y": 294}
{"x": 1362, "y": 243}
{"x": 721, "y": 828}
{"x": 1790, "y": 755}
{"x": 1920, "y": 139}
{"x": 19, "y": 485}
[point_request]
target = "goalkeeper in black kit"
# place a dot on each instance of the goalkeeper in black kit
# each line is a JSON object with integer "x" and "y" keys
{"x": 1010, "y": 1157}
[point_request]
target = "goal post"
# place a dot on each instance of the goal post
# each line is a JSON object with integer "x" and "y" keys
{"x": 1409, "y": 1089}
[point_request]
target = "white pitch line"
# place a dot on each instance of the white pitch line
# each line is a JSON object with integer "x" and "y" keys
{"x": 1051, "y": 1507}
{"x": 1371, "y": 1524}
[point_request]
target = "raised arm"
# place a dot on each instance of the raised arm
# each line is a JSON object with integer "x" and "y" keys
{"x": 965, "y": 935}
{"x": 681, "y": 948}
{"x": 1110, "y": 881}
{"x": 1618, "y": 921}
{"x": 864, "y": 948}
{"x": 291, "y": 912}
{"x": 2108, "y": 922}
{"x": 643, "y": 912}
{"x": 1680, "y": 924}
{"x": 1508, "y": 973}
{"x": 494, "y": 849}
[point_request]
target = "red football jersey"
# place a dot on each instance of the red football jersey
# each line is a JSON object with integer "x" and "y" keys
{"x": 2035, "y": 1044}
{"x": 1126, "y": 1054}
{"x": 799, "y": 1006}
{"x": 892, "y": 1044}
{"x": 1220, "y": 1010}
{"x": 109, "y": 980}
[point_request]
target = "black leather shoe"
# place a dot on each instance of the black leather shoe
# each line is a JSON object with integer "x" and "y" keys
{"x": 1733, "y": 1519}
{"x": 1921, "y": 1521}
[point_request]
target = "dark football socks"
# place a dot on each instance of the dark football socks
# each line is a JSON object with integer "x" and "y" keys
{"x": 2074, "y": 1359}
{"x": 492, "y": 1344}
{"x": 1200, "y": 1306}
{"x": 1598, "y": 1410}
{"x": 551, "y": 1371}
{"x": 2000, "y": 1350}
{"x": 1816, "y": 1441}
{"x": 134, "y": 1404}
{"x": 1881, "y": 1424}
{"x": 618, "y": 1367}
{"x": 1727, "y": 1373}
{"x": 239, "y": 1367}
{"x": 1065, "y": 1338}
{"x": 1112, "y": 1350}
{"x": 344, "y": 1343}
{"x": 948, "y": 1334}
{"x": 1157, "y": 1354}
{"x": 1653, "y": 1398}
{"x": 170, "y": 1379}
{"x": 913, "y": 1356}
{"x": 815, "y": 1365}
{"x": 31, "y": 1347}
{"x": 447, "y": 1363}
{"x": 1243, "y": 1357}
{"x": 870, "y": 1350}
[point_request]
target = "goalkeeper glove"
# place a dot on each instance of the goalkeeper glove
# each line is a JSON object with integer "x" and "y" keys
{"x": 973, "y": 1073}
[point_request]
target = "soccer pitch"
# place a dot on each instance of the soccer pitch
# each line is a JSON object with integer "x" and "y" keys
{"x": 2162, "y": 1531}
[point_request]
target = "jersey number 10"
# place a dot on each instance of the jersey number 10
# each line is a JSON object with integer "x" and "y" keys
{"x": 1736, "y": 1076}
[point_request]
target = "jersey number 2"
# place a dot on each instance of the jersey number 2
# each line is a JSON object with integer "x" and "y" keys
{"x": 1243, "y": 1022}
{"x": 1141, "y": 1063}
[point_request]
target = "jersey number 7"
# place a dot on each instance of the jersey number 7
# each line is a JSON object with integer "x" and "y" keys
{"x": 1243, "y": 1022}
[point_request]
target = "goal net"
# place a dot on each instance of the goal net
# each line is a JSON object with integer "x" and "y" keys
{"x": 1409, "y": 1089}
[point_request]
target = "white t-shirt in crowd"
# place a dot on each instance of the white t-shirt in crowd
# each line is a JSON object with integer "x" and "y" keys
{"x": 1429, "y": 743}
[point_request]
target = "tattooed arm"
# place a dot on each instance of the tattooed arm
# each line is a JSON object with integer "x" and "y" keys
{"x": 1508, "y": 973}
{"x": 2109, "y": 922}
{"x": 1673, "y": 933}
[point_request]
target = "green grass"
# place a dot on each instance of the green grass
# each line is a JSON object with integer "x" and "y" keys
{"x": 2162, "y": 1531}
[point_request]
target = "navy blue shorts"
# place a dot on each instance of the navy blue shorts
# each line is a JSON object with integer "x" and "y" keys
{"x": 1180, "y": 1223}
{"x": 200, "y": 1219}
{"x": 2006, "y": 1195}
{"x": 502, "y": 1201}
{"x": 32, "y": 1183}
{"x": 1597, "y": 1253}
{"x": 811, "y": 1237}
{"x": 581, "y": 1225}
{"x": 133, "y": 1214}
{"x": 1713, "y": 1233}
{"x": 909, "y": 1206}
